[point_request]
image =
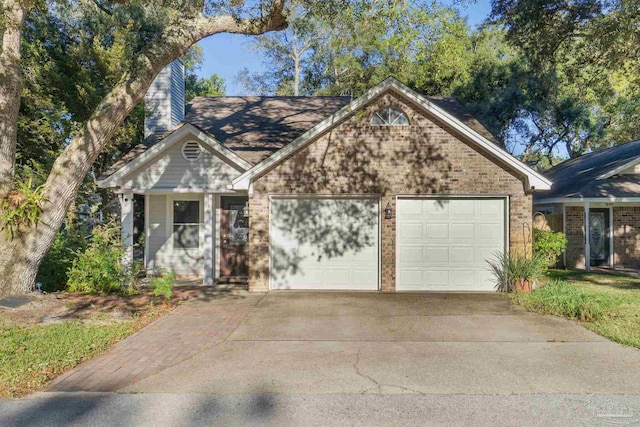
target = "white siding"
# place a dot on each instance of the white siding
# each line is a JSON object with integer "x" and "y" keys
{"x": 177, "y": 92}
{"x": 171, "y": 170}
{"x": 161, "y": 253}
{"x": 164, "y": 101}
{"x": 157, "y": 104}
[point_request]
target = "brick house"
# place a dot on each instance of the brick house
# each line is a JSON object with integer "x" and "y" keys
{"x": 391, "y": 191}
{"x": 598, "y": 197}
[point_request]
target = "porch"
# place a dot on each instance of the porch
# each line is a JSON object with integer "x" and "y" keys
{"x": 601, "y": 234}
{"x": 201, "y": 236}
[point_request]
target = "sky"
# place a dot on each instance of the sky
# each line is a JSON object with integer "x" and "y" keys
{"x": 227, "y": 54}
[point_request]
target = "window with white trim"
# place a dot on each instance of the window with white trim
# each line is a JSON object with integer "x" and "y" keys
{"x": 389, "y": 116}
{"x": 186, "y": 224}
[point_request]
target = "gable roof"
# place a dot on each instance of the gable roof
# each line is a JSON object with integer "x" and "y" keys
{"x": 169, "y": 138}
{"x": 594, "y": 174}
{"x": 534, "y": 180}
{"x": 255, "y": 127}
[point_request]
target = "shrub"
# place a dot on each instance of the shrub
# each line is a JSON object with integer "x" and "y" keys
{"x": 54, "y": 269}
{"x": 163, "y": 285}
{"x": 563, "y": 299}
{"x": 549, "y": 245}
{"x": 508, "y": 269}
{"x": 99, "y": 268}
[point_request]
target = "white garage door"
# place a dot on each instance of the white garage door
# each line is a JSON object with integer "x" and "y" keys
{"x": 324, "y": 243}
{"x": 443, "y": 243}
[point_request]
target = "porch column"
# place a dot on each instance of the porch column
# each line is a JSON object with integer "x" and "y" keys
{"x": 208, "y": 239}
{"x": 126, "y": 226}
{"x": 587, "y": 245}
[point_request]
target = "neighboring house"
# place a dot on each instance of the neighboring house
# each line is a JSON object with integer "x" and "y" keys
{"x": 389, "y": 191}
{"x": 598, "y": 195}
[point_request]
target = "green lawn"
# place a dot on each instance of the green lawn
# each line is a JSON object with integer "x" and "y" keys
{"x": 607, "y": 304}
{"x": 32, "y": 355}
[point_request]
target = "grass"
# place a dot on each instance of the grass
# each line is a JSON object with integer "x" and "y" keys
{"x": 30, "y": 356}
{"x": 607, "y": 304}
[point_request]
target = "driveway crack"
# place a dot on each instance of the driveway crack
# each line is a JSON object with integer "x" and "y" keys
{"x": 378, "y": 385}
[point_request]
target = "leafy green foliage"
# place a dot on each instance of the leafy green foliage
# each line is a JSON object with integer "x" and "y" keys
{"x": 563, "y": 299}
{"x": 99, "y": 269}
{"x": 163, "y": 285}
{"x": 582, "y": 51}
{"x": 548, "y": 244}
{"x": 54, "y": 269}
{"x": 509, "y": 269}
{"x": 22, "y": 207}
{"x": 203, "y": 86}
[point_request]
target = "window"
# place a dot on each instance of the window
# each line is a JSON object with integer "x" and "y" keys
{"x": 186, "y": 224}
{"x": 389, "y": 117}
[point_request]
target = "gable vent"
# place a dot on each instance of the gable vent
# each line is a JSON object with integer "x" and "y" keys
{"x": 191, "y": 150}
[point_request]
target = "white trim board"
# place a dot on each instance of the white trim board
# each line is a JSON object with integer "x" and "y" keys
{"x": 535, "y": 181}
{"x": 619, "y": 169}
{"x": 114, "y": 180}
{"x": 581, "y": 200}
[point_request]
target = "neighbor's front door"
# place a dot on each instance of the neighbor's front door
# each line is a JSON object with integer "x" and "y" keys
{"x": 599, "y": 236}
{"x": 234, "y": 237}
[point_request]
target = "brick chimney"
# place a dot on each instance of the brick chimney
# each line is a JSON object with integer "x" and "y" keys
{"x": 164, "y": 101}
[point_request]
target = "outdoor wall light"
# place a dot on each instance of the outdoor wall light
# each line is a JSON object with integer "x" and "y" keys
{"x": 388, "y": 211}
{"x": 245, "y": 210}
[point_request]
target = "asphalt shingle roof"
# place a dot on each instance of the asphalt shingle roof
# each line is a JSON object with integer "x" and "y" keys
{"x": 577, "y": 177}
{"x": 255, "y": 127}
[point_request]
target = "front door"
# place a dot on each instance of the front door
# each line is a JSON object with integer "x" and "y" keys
{"x": 599, "y": 236}
{"x": 234, "y": 237}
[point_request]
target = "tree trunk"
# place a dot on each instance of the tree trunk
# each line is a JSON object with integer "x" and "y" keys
{"x": 12, "y": 14}
{"x": 20, "y": 258}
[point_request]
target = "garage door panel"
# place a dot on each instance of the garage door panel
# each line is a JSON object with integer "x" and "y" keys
{"x": 460, "y": 235}
{"x": 486, "y": 279}
{"x": 434, "y": 209}
{"x": 412, "y": 211}
{"x": 462, "y": 231}
{"x": 437, "y": 231}
{"x": 437, "y": 279}
{"x": 411, "y": 231}
{"x": 462, "y": 209}
{"x": 362, "y": 278}
{"x": 484, "y": 254}
{"x": 411, "y": 255}
{"x": 464, "y": 255}
{"x": 337, "y": 276}
{"x": 464, "y": 278}
{"x": 489, "y": 209}
{"x": 489, "y": 232}
{"x": 437, "y": 255}
{"x": 318, "y": 243}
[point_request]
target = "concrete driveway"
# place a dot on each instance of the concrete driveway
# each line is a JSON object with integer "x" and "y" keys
{"x": 352, "y": 358}
{"x": 325, "y": 343}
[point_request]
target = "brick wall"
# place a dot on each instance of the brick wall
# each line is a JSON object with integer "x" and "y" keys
{"x": 626, "y": 236}
{"x": 356, "y": 158}
{"x": 574, "y": 224}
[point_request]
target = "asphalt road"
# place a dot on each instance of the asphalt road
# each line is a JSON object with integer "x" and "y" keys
{"x": 112, "y": 409}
